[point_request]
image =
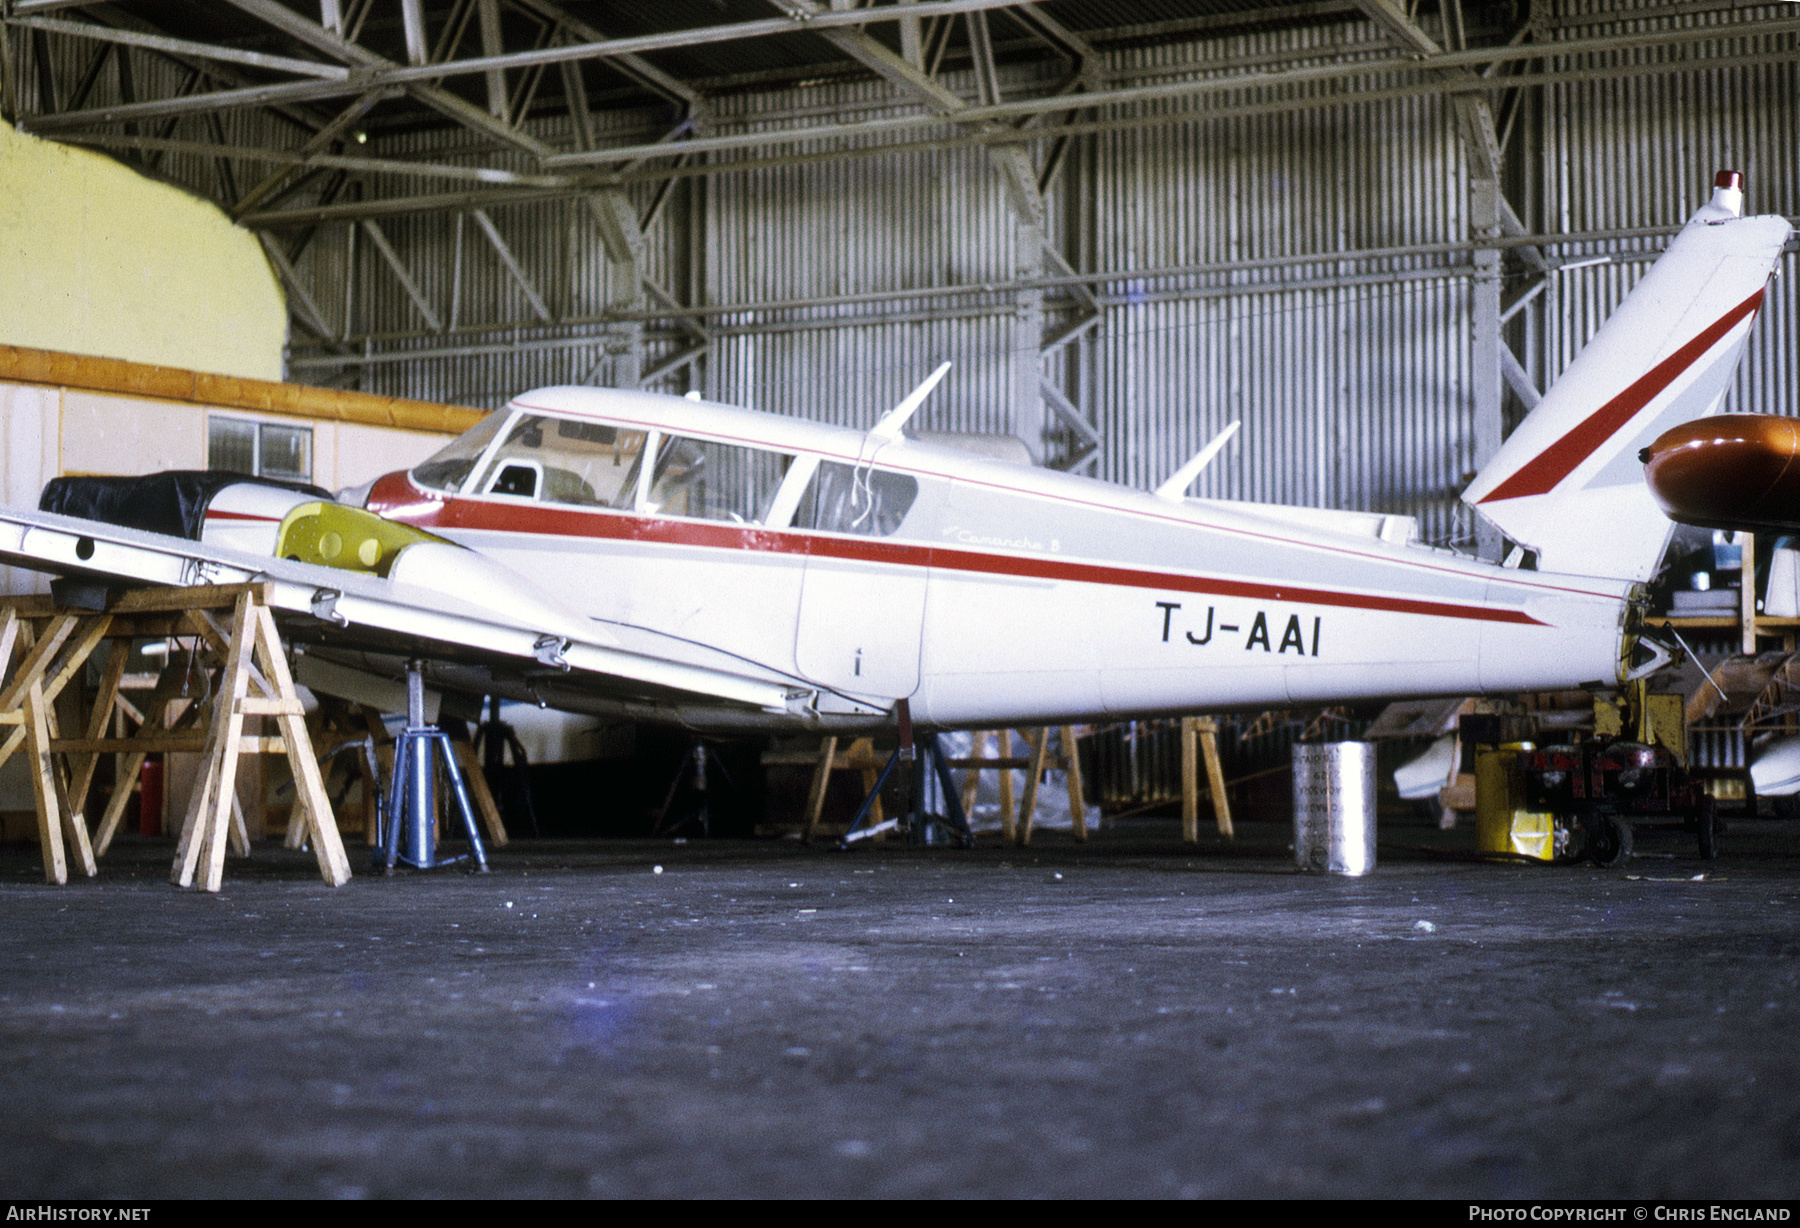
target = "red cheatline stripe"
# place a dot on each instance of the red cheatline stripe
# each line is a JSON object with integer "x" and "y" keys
{"x": 556, "y": 522}
{"x": 1542, "y": 472}
{"x": 213, "y": 514}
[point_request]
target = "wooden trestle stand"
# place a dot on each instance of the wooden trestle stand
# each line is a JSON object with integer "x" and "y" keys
{"x": 1200, "y": 734}
{"x": 1036, "y": 740}
{"x": 862, "y": 757}
{"x": 252, "y": 681}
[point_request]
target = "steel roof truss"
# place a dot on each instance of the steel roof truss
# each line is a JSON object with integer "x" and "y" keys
{"x": 317, "y": 144}
{"x": 90, "y": 76}
{"x": 184, "y": 47}
{"x": 981, "y": 52}
{"x": 488, "y": 12}
{"x": 439, "y": 99}
{"x": 1055, "y": 35}
{"x": 633, "y": 66}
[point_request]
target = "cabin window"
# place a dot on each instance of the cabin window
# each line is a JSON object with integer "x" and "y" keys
{"x": 856, "y": 499}
{"x": 263, "y": 449}
{"x": 557, "y": 460}
{"x": 449, "y": 467}
{"x": 715, "y": 481}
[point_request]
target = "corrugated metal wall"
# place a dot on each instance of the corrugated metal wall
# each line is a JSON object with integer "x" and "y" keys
{"x": 887, "y": 224}
{"x": 1351, "y": 395}
{"x": 1636, "y": 152}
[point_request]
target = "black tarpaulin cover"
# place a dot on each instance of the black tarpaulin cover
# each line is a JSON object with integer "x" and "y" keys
{"x": 172, "y": 503}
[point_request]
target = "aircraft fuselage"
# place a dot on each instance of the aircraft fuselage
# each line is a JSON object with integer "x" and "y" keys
{"x": 982, "y": 592}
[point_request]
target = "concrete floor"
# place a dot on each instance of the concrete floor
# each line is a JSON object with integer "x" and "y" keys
{"x": 1129, "y": 1018}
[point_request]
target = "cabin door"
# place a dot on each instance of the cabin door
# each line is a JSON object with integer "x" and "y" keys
{"x": 860, "y": 621}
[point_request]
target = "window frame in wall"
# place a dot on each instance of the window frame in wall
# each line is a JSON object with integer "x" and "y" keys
{"x": 281, "y": 450}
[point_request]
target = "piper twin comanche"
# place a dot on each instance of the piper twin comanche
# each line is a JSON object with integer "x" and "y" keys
{"x": 723, "y": 569}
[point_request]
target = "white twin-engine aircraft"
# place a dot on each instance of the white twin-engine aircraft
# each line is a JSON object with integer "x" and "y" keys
{"x": 724, "y": 569}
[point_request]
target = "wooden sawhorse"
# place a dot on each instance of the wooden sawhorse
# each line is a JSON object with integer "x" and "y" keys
{"x": 1201, "y": 734}
{"x": 861, "y": 757}
{"x": 252, "y": 682}
{"x": 1034, "y": 763}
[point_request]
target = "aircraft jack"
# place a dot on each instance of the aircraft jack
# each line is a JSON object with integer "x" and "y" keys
{"x": 917, "y": 757}
{"x": 671, "y": 820}
{"x": 412, "y": 800}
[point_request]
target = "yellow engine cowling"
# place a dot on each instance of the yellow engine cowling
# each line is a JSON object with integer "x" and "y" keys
{"x": 337, "y": 535}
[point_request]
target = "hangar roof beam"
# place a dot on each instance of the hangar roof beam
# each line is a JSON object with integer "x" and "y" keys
{"x": 186, "y": 47}
{"x": 636, "y": 67}
{"x": 434, "y": 96}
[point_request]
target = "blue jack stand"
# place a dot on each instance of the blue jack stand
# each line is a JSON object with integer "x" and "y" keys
{"x": 412, "y": 799}
{"x": 921, "y": 827}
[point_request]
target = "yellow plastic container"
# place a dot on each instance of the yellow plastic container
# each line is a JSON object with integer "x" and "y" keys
{"x": 1502, "y": 824}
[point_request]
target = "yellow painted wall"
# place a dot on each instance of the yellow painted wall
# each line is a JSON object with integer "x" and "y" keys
{"x": 96, "y": 259}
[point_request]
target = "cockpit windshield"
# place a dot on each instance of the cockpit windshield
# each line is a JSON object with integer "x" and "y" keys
{"x": 574, "y": 461}
{"x": 563, "y": 460}
{"x": 448, "y": 468}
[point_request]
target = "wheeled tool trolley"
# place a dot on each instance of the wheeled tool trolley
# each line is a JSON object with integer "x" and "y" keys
{"x": 1599, "y": 788}
{"x": 1580, "y": 799}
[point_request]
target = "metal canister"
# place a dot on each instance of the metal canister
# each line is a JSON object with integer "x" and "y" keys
{"x": 1334, "y": 807}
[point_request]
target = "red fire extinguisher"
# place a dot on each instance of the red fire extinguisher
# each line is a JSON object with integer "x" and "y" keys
{"x": 150, "y": 797}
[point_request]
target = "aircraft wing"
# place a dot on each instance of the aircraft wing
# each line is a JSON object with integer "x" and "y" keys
{"x": 453, "y": 605}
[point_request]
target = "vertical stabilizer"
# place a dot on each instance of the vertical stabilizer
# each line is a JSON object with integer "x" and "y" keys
{"x": 1567, "y": 484}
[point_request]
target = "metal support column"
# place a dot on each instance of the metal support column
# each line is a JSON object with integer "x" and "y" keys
{"x": 1484, "y": 361}
{"x": 624, "y": 241}
{"x": 1019, "y": 178}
